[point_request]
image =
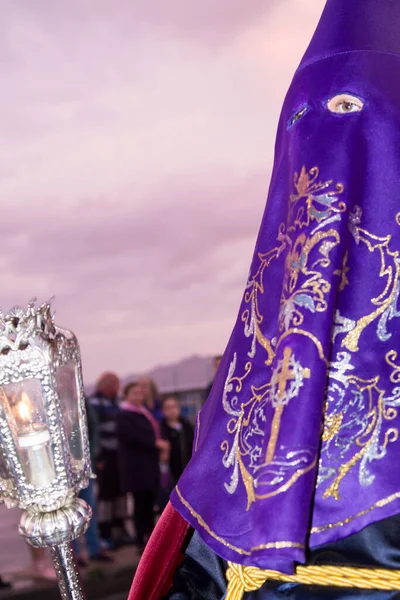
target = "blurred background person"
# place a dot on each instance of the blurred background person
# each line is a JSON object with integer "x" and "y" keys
{"x": 179, "y": 433}
{"x": 91, "y": 537}
{"x": 151, "y": 396}
{"x": 140, "y": 444}
{"x": 112, "y": 505}
{"x": 41, "y": 568}
{"x": 4, "y": 584}
{"x": 216, "y": 363}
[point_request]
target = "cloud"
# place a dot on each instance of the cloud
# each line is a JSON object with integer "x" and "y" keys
{"x": 172, "y": 238}
{"x": 206, "y": 20}
{"x": 123, "y": 278}
{"x": 137, "y": 144}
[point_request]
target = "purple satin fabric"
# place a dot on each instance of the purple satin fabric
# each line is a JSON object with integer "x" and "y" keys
{"x": 355, "y": 25}
{"x": 297, "y": 445}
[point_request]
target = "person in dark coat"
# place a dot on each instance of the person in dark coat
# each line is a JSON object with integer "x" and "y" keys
{"x": 179, "y": 433}
{"x": 92, "y": 539}
{"x": 111, "y": 503}
{"x": 140, "y": 444}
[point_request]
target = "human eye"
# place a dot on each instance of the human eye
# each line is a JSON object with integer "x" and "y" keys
{"x": 343, "y": 104}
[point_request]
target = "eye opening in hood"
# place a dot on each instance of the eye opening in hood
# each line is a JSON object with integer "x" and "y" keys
{"x": 345, "y": 104}
{"x": 297, "y": 115}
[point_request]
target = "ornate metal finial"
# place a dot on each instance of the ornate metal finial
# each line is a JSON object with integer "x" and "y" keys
{"x": 22, "y": 327}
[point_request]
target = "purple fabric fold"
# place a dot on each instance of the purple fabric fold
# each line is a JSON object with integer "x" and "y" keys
{"x": 297, "y": 444}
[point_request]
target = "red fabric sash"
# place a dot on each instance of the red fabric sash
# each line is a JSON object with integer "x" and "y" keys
{"x": 161, "y": 557}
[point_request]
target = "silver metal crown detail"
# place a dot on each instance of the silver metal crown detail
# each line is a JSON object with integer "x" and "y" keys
{"x": 20, "y": 327}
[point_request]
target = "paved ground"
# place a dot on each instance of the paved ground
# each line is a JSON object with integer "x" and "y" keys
{"x": 112, "y": 581}
{"x": 14, "y": 554}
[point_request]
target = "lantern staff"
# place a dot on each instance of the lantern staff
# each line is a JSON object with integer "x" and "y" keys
{"x": 44, "y": 447}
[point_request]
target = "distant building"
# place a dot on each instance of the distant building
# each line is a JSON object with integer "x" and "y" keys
{"x": 187, "y": 380}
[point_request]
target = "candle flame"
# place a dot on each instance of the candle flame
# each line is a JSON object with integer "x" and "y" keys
{"x": 24, "y": 407}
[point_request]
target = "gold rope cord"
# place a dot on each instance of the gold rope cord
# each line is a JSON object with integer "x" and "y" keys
{"x": 249, "y": 579}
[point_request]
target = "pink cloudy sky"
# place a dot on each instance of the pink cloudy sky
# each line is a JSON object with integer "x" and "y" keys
{"x": 137, "y": 141}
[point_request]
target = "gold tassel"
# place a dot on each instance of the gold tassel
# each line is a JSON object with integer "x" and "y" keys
{"x": 249, "y": 579}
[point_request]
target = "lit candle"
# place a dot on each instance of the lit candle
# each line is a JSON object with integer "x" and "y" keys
{"x": 34, "y": 443}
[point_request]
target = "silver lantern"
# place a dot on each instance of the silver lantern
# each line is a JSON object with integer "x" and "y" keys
{"x": 44, "y": 449}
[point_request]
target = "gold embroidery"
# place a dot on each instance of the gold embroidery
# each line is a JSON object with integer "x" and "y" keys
{"x": 311, "y": 293}
{"x": 333, "y": 490}
{"x": 288, "y": 484}
{"x": 385, "y": 299}
{"x": 343, "y": 273}
{"x": 283, "y": 376}
{"x": 282, "y": 544}
{"x": 374, "y": 414}
{"x": 206, "y": 528}
{"x": 252, "y": 317}
{"x": 203, "y": 524}
{"x": 304, "y": 290}
{"x": 310, "y": 241}
{"x": 362, "y": 513}
{"x": 307, "y": 187}
{"x": 277, "y": 546}
{"x": 239, "y": 380}
{"x": 248, "y": 482}
{"x": 312, "y": 337}
{"x": 332, "y": 426}
{"x": 390, "y": 358}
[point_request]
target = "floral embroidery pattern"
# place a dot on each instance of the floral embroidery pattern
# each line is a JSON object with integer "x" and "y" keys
{"x": 356, "y": 432}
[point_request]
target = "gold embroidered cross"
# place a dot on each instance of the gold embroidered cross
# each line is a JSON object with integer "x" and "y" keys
{"x": 285, "y": 374}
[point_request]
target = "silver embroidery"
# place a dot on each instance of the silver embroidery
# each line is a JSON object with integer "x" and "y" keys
{"x": 390, "y": 313}
{"x": 354, "y": 221}
{"x": 250, "y": 329}
{"x": 355, "y": 414}
{"x": 342, "y": 325}
{"x": 230, "y": 457}
{"x": 340, "y": 366}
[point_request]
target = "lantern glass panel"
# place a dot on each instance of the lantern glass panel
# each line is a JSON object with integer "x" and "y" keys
{"x": 27, "y": 419}
{"x": 71, "y": 413}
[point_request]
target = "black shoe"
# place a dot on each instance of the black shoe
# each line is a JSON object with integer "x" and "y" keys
{"x": 126, "y": 540}
{"x": 4, "y": 584}
{"x": 81, "y": 562}
{"x": 101, "y": 557}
